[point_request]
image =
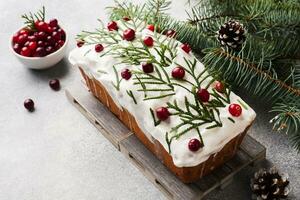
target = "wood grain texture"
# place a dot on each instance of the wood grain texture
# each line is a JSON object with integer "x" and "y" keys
{"x": 249, "y": 152}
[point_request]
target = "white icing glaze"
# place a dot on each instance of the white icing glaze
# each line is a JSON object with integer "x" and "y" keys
{"x": 214, "y": 139}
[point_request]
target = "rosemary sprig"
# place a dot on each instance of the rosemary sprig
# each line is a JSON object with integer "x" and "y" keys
{"x": 31, "y": 18}
{"x": 156, "y": 122}
{"x": 129, "y": 92}
{"x": 118, "y": 80}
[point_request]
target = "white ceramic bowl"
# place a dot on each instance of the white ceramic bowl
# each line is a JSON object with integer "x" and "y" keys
{"x": 42, "y": 62}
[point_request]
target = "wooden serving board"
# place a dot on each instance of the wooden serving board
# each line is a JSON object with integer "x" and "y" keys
{"x": 126, "y": 142}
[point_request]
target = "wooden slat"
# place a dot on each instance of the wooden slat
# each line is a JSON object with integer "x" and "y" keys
{"x": 113, "y": 129}
{"x": 253, "y": 148}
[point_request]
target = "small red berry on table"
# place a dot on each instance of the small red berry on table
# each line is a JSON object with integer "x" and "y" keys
{"x": 112, "y": 26}
{"x": 148, "y": 67}
{"x": 148, "y": 41}
{"x": 54, "y": 84}
{"x": 178, "y": 72}
{"x": 186, "y": 48}
{"x": 129, "y": 34}
{"x": 29, "y": 104}
{"x": 99, "y": 48}
{"x": 235, "y": 110}
{"x": 126, "y": 74}
{"x": 195, "y": 145}
{"x": 162, "y": 113}
{"x": 203, "y": 95}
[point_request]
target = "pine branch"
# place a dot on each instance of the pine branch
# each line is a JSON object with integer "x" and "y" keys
{"x": 250, "y": 75}
{"x": 288, "y": 120}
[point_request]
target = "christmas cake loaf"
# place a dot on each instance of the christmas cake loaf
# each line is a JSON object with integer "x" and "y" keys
{"x": 154, "y": 84}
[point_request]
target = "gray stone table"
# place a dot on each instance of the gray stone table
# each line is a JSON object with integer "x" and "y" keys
{"x": 55, "y": 153}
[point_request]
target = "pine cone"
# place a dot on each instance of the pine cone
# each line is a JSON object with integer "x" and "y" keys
{"x": 232, "y": 34}
{"x": 269, "y": 185}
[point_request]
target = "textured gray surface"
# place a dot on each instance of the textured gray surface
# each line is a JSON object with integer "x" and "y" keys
{"x": 55, "y": 153}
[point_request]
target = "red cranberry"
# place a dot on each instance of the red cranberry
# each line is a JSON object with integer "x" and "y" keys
{"x": 50, "y": 40}
{"x": 26, "y": 44}
{"x": 195, "y": 145}
{"x": 41, "y": 26}
{"x": 54, "y": 84}
{"x": 32, "y": 45}
{"x": 31, "y": 38}
{"x": 80, "y": 44}
{"x": 148, "y": 41}
{"x": 126, "y": 18}
{"x": 151, "y": 27}
{"x": 22, "y": 39}
{"x": 56, "y": 35}
{"x": 162, "y": 113}
{"x": 62, "y": 33}
{"x": 29, "y": 104}
{"x": 112, "y": 26}
{"x": 24, "y": 31}
{"x": 219, "y": 86}
{"x": 41, "y": 43}
{"x": 15, "y": 38}
{"x": 40, "y": 52}
{"x": 126, "y": 74}
{"x": 53, "y": 22}
{"x": 235, "y": 110}
{"x": 186, "y": 48}
{"x": 129, "y": 34}
{"x": 49, "y": 50}
{"x": 170, "y": 33}
{"x": 147, "y": 67}
{"x": 178, "y": 72}
{"x": 49, "y": 30}
{"x": 17, "y": 48}
{"x": 60, "y": 43}
{"x": 99, "y": 48}
{"x": 25, "y": 51}
{"x": 55, "y": 28}
{"x": 41, "y": 35}
{"x": 203, "y": 95}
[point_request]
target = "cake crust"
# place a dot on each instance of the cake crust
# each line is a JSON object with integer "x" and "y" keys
{"x": 185, "y": 174}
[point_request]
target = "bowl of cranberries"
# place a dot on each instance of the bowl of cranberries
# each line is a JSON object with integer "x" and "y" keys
{"x": 40, "y": 44}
